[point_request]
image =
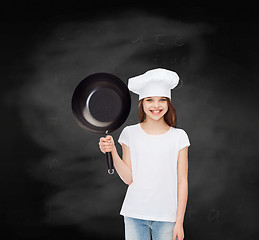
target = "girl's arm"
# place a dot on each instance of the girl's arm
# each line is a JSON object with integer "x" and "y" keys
{"x": 182, "y": 191}
{"x": 123, "y": 166}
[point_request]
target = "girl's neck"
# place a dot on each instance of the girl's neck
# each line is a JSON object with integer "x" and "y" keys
{"x": 155, "y": 124}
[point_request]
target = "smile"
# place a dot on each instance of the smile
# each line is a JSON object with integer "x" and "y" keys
{"x": 156, "y": 112}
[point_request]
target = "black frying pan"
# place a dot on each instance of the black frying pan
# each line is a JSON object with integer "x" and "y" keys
{"x": 101, "y": 103}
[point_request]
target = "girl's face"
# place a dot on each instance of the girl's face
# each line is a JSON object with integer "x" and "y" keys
{"x": 155, "y": 107}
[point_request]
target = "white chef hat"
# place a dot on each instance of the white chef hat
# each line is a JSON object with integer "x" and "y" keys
{"x": 155, "y": 82}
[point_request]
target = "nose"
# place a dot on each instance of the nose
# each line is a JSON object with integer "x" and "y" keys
{"x": 156, "y": 104}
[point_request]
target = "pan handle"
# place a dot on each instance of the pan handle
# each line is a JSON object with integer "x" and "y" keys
{"x": 109, "y": 160}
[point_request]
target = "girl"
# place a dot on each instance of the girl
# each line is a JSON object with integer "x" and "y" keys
{"x": 154, "y": 162}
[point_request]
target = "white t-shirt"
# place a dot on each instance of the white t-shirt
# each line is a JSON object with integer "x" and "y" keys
{"x": 153, "y": 193}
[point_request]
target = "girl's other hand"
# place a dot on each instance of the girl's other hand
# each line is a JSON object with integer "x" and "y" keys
{"x": 106, "y": 144}
{"x": 178, "y": 233}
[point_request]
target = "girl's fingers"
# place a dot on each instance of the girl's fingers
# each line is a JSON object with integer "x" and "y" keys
{"x": 106, "y": 144}
{"x": 177, "y": 237}
{"x": 107, "y": 150}
{"x": 109, "y": 138}
{"x": 174, "y": 237}
{"x": 103, "y": 139}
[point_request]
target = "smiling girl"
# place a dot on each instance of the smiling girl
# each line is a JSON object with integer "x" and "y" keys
{"x": 154, "y": 162}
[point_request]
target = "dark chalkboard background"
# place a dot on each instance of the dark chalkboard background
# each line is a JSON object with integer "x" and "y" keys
{"x": 54, "y": 183}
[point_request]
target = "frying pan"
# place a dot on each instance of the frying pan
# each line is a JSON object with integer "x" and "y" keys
{"x": 101, "y": 104}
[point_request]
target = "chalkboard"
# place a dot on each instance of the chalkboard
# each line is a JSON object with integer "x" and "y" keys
{"x": 47, "y": 190}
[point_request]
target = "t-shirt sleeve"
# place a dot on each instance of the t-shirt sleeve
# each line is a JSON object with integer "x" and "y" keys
{"x": 184, "y": 140}
{"x": 124, "y": 137}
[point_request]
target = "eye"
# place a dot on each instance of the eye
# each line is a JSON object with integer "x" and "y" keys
{"x": 163, "y": 99}
{"x": 149, "y": 100}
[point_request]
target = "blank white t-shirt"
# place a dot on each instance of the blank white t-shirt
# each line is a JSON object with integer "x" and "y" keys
{"x": 153, "y": 193}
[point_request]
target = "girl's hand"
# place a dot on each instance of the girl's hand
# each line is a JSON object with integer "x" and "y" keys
{"x": 106, "y": 144}
{"x": 178, "y": 232}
